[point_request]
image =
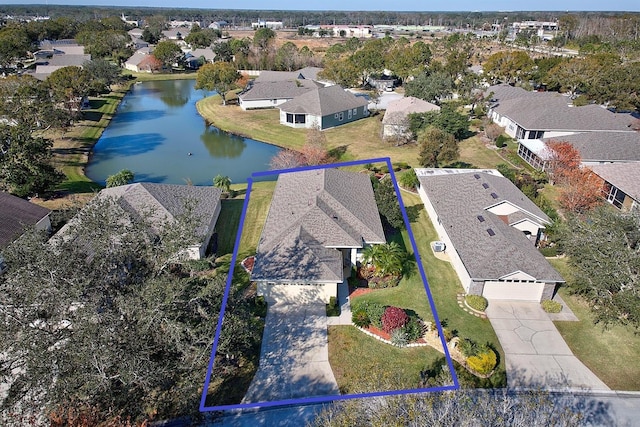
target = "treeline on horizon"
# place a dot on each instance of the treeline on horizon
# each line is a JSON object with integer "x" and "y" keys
{"x": 296, "y": 18}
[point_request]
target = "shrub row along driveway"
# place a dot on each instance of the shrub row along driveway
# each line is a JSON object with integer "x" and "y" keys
{"x": 535, "y": 352}
{"x": 294, "y": 359}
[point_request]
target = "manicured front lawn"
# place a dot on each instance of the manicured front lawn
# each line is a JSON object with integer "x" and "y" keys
{"x": 362, "y": 364}
{"x": 474, "y": 154}
{"x": 611, "y": 354}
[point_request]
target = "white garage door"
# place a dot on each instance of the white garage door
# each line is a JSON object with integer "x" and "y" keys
{"x": 513, "y": 291}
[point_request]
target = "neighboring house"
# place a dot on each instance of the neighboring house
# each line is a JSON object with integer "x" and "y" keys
{"x": 317, "y": 225}
{"x": 57, "y": 62}
{"x": 193, "y": 57}
{"x": 323, "y": 108}
{"x": 16, "y": 215}
{"x": 176, "y": 34}
{"x": 66, "y": 46}
{"x": 621, "y": 184}
{"x": 490, "y": 229}
{"x": 270, "y": 94}
{"x": 161, "y": 204}
{"x": 594, "y": 148}
{"x": 535, "y": 118}
{"x": 358, "y": 31}
{"x": 142, "y": 61}
{"x": 383, "y": 83}
{"x": 395, "y": 123}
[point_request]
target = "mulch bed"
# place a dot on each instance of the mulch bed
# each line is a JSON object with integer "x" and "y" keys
{"x": 248, "y": 263}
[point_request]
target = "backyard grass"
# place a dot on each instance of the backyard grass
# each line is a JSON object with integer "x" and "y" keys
{"x": 474, "y": 154}
{"x": 361, "y": 363}
{"x": 353, "y": 141}
{"x": 611, "y": 354}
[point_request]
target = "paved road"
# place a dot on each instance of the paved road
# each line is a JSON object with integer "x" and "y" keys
{"x": 294, "y": 359}
{"x": 535, "y": 352}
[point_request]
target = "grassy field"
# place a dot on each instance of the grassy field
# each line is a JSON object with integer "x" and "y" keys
{"x": 361, "y": 363}
{"x": 352, "y": 141}
{"x": 612, "y": 354}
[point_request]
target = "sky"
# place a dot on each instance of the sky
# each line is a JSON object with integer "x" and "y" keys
{"x": 386, "y": 5}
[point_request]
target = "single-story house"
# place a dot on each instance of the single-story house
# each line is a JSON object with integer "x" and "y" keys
{"x": 193, "y": 57}
{"x": 161, "y": 204}
{"x": 317, "y": 225}
{"x": 594, "y": 148}
{"x": 535, "y": 118}
{"x": 272, "y": 94}
{"x": 395, "y": 123}
{"x": 323, "y": 108}
{"x": 490, "y": 230}
{"x": 16, "y": 215}
{"x": 66, "y": 46}
{"x": 621, "y": 184}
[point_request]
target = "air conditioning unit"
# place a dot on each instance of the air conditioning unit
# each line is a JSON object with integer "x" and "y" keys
{"x": 439, "y": 246}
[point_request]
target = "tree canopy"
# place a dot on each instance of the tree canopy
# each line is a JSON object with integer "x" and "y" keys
{"x": 106, "y": 317}
{"x": 219, "y": 76}
{"x": 168, "y": 53}
{"x": 387, "y": 201}
{"x": 604, "y": 251}
{"x": 437, "y": 147}
{"x": 125, "y": 176}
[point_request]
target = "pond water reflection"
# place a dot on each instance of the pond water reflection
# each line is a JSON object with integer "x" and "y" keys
{"x": 159, "y": 135}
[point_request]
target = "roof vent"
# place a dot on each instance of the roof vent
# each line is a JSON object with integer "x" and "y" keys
{"x": 485, "y": 185}
{"x": 476, "y": 176}
{"x": 491, "y": 232}
{"x": 494, "y": 195}
{"x": 480, "y": 218}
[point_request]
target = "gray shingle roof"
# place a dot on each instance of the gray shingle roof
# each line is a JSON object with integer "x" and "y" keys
{"x": 399, "y": 110}
{"x": 323, "y": 102}
{"x": 310, "y": 212}
{"x": 624, "y": 176}
{"x": 165, "y": 202}
{"x": 551, "y": 111}
{"x": 69, "y": 60}
{"x": 604, "y": 146}
{"x": 283, "y": 89}
{"x": 15, "y": 215}
{"x": 459, "y": 198}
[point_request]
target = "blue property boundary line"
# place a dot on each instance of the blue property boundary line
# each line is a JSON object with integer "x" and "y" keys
{"x": 323, "y": 399}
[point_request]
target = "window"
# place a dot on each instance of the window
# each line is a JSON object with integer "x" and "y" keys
{"x": 289, "y": 118}
{"x": 536, "y": 134}
{"x": 355, "y": 111}
{"x": 349, "y": 114}
{"x": 615, "y": 196}
{"x": 520, "y": 133}
{"x": 300, "y": 118}
{"x": 341, "y": 116}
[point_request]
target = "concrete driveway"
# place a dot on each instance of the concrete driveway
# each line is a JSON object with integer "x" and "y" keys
{"x": 294, "y": 359}
{"x": 535, "y": 352}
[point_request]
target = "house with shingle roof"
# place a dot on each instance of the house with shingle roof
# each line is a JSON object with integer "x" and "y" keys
{"x": 395, "y": 123}
{"x": 317, "y": 225}
{"x": 161, "y": 205}
{"x": 490, "y": 229}
{"x": 17, "y": 215}
{"x": 323, "y": 108}
{"x": 535, "y": 118}
{"x": 621, "y": 184}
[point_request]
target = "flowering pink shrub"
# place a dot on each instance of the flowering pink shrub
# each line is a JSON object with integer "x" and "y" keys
{"x": 394, "y": 318}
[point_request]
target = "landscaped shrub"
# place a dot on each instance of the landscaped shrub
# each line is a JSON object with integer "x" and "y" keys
{"x": 333, "y": 309}
{"x": 483, "y": 363}
{"x": 384, "y": 169}
{"x": 549, "y": 251}
{"x": 259, "y": 306}
{"x": 413, "y": 329}
{"x": 399, "y": 337}
{"x": 468, "y": 347}
{"x": 551, "y": 306}
{"x": 448, "y": 334}
{"x": 360, "y": 318}
{"x": 375, "y": 312}
{"x": 476, "y": 302}
{"x": 501, "y": 141}
{"x": 394, "y": 318}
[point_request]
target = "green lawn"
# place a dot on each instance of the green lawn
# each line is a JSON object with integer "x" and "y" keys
{"x": 474, "y": 154}
{"x": 361, "y": 363}
{"x": 612, "y": 354}
{"x": 356, "y": 140}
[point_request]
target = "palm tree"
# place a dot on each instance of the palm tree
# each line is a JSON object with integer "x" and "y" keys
{"x": 223, "y": 182}
{"x": 386, "y": 259}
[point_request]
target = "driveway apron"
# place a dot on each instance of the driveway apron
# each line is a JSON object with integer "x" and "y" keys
{"x": 536, "y": 355}
{"x": 294, "y": 359}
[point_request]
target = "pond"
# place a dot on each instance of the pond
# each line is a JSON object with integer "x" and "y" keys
{"x": 158, "y": 134}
